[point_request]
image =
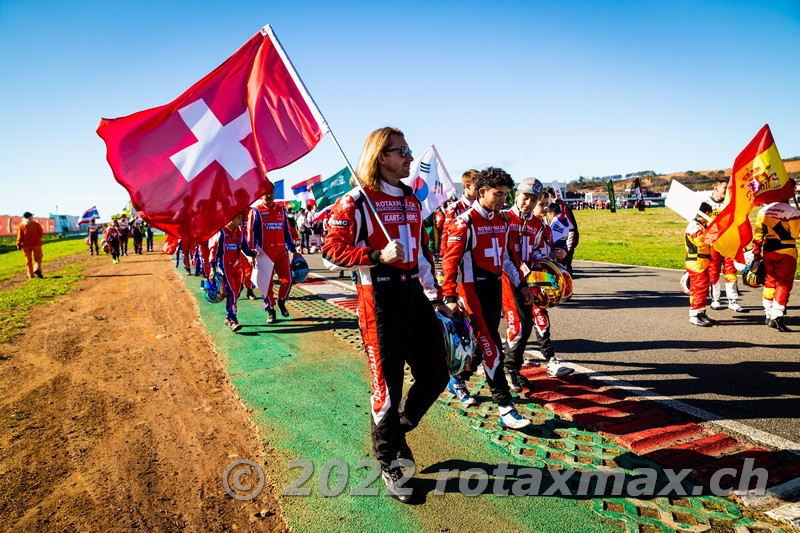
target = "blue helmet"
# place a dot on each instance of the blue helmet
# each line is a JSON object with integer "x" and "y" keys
{"x": 299, "y": 270}
{"x": 458, "y": 341}
{"x": 214, "y": 290}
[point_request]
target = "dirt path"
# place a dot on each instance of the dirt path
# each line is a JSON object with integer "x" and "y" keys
{"x": 115, "y": 410}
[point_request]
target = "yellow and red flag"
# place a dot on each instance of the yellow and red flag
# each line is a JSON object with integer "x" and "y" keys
{"x": 758, "y": 177}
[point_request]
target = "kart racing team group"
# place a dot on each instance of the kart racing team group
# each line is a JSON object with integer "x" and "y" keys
{"x": 495, "y": 261}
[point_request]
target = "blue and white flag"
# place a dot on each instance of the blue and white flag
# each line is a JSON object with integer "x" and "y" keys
{"x": 88, "y": 215}
{"x": 430, "y": 181}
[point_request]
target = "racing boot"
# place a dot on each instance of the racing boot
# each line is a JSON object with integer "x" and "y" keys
{"x": 251, "y": 295}
{"x": 272, "y": 318}
{"x": 282, "y": 307}
{"x": 778, "y": 324}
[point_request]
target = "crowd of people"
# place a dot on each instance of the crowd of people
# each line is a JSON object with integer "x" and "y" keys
{"x": 772, "y": 264}
{"x": 487, "y": 250}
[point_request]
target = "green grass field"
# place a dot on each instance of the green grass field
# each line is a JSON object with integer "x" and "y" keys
{"x": 16, "y": 303}
{"x": 14, "y": 261}
{"x": 652, "y": 238}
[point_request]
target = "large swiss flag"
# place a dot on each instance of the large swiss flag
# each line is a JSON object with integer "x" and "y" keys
{"x": 192, "y": 164}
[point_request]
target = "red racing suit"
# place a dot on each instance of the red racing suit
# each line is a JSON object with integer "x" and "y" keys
{"x": 395, "y": 315}
{"x": 268, "y": 232}
{"x": 717, "y": 261}
{"x": 775, "y": 237}
{"x": 541, "y": 318}
{"x": 450, "y": 214}
{"x": 225, "y": 253}
{"x": 524, "y": 238}
{"x": 698, "y": 254}
{"x": 476, "y": 256}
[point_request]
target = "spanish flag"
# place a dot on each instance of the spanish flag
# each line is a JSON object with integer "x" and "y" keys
{"x": 758, "y": 177}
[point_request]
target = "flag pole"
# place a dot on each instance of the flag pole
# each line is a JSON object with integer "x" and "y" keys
{"x": 268, "y": 31}
{"x": 446, "y": 173}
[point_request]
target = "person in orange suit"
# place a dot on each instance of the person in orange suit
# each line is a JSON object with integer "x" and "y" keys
{"x": 29, "y": 240}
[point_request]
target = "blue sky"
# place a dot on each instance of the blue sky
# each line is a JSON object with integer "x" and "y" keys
{"x": 553, "y": 90}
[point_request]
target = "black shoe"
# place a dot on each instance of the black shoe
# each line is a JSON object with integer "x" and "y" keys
{"x": 778, "y": 324}
{"x": 341, "y": 273}
{"x": 404, "y": 452}
{"x": 518, "y": 382}
{"x": 272, "y": 316}
{"x": 282, "y": 307}
{"x": 767, "y": 320}
{"x": 38, "y": 273}
{"x": 233, "y": 324}
{"x": 251, "y": 295}
{"x": 391, "y": 477}
{"x": 708, "y": 321}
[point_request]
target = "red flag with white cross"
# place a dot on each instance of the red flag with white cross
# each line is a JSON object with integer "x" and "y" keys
{"x": 192, "y": 164}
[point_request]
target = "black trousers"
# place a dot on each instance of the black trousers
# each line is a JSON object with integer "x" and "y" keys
{"x": 399, "y": 326}
{"x": 484, "y": 299}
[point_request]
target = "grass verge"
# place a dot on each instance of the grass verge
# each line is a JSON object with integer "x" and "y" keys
{"x": 15, "y": 304}
{"x": 630, "y": 237}
{"x": 14, "y": 261}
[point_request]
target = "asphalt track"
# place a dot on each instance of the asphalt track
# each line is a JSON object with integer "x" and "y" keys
{"x": 631, "y": 323}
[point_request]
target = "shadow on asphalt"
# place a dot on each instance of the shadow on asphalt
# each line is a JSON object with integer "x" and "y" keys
{"x": 630, "y": 300}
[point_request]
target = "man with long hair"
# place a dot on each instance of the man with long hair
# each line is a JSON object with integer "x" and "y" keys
{"x": 397, "y": 292}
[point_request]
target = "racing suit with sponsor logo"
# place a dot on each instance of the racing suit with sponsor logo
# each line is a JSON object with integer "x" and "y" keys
{"x": 474, "y": 261}
{"x": 268, "y": 232}
{"x": 698, "y": 254}
{"x": 775, "y": 238}
{"x": 541, "y": 318}
{"x": 717, "y": 260}
{"x": 573, "y": 235}
{"x": 524, "y": 237}
{"x": 397, "y": 321}
{"x": 450, "y": 214}
{"x": 225, "y": 253}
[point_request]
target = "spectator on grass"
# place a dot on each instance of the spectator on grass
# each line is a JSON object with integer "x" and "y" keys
{"x": 29, "y": 240}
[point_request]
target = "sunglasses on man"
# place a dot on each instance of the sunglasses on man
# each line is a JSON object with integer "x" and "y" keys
{"x": 403, "y": 151}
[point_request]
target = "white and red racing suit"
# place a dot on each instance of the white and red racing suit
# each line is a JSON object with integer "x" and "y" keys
{"x": 541, "y": 318}
{"x": 573, "y": 236}
{"x": 524, "y": 238}
{"x": 450, "y": 214}
{"x": 225, "y": 253}
{"x": 268, "y": 232}
{"x": 395, "y": 315}
{"x": 717, "y": 260}
{"x": 474, "y": 260}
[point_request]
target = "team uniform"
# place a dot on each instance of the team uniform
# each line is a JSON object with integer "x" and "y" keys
{"x": 716, "y": 261}
{"x": 698, "y": 254}
{"x": 397, "y": 321}
{"x": 113, "y": 239}
{"x": 124, "y": 235}
{"x": 225, "y": 253}
{"x": 268, "y": 232}
{"x": 474, "y": 260}
{"x": 94, "y": 234}
{"x": 573, "y": 235}
{"x": 450, "y": 214}
{"x": 136, "y": 226}
{"x": 524, "y": 239}
{"x": 775, "y": 239}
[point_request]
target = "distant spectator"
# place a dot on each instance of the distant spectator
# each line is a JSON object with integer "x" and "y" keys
{"x": 29, "y": 240}
{"x": 94, "y": 233}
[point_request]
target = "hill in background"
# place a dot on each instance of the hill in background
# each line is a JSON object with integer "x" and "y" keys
{"x": 696, "y": 180}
